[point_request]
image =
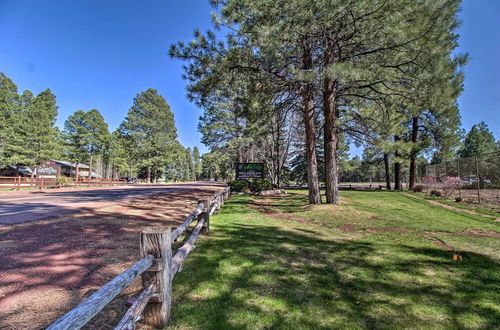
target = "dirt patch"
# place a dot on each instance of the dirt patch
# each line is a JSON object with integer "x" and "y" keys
{"x": 440, "y": 243}
{"x": 349, "y": 228}
{"x": 263, "y": 206}
{"x": 48, "y": 267}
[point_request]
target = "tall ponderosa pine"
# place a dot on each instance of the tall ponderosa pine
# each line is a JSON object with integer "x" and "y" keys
{"x": 197, "y": 163}
{"x": 118, "y": 155}
{"x": 86, "y": 134}
{"x": 9, "y": 104}
{"x": 35, "y": 137}
{"x": 479, "y": 141}
{"x": 352, "y": 51}
{"x": 151, "y": 127}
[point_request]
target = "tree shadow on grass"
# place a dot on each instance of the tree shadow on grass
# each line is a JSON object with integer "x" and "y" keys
{"x": 249, "y": 276}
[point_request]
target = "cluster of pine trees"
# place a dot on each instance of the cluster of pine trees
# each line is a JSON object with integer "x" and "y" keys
{"x": 145, "y": 144}
{"x": 292, "y": 82}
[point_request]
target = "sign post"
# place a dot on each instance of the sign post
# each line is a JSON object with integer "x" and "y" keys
{"x": 245, "y": 171}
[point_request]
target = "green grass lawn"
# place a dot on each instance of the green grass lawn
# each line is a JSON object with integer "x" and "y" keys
{"x": 380, "y": 260}
{"x": 483, "y": 208}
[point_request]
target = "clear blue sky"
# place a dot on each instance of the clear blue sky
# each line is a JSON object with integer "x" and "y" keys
{"x": 100, "y": 54}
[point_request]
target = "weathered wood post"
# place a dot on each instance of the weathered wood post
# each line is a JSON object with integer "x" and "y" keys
{"x": 41, "y": 186}
{"x": 205, "y": 215}
{"x": 478, "y": 183}
{"x": 156, "y": 241}
{"x": 221, "y": 200}
{"x": 19, "y": 182}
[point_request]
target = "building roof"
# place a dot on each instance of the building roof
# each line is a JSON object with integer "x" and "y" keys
{"x": 70, "y": 164}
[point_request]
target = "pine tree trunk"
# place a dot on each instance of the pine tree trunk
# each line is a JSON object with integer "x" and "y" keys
{"x": 397, "y": 168}
{"x": 308, "y": 103}
{"x": 148, "y": 175}
{"x": 413, "y": 156}
{"x": 278, "y": 167}
{"x": 330, "y": 144}
{"x": 397, "y": 175}
{"x": 387, "y": 172}
{"x": 90, "y": 166}
{"x": 77, "y": 169}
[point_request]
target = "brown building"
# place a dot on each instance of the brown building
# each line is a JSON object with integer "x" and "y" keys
{"x": 54, "y": 168}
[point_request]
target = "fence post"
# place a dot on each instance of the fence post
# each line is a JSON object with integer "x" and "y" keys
{"x": 477, "y": 181}
{"x": 156, "y": 241}
{"x": 41, "y": 185}
{"x": 222, "y": 197}
{"x": 19, "y": 182}
{"x": 205, "y": 215}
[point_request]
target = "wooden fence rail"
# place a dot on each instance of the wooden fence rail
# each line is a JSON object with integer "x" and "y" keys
{"x": 156, "y": 268}
{"x": 19, "y": 182}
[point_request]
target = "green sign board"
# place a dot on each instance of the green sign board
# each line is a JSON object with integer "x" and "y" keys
{"x": 249, "y": 171}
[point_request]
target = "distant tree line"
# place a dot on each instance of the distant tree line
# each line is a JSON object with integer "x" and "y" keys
{"x": 144, "y": 145}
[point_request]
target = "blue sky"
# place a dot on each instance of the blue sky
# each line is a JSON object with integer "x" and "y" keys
{"x": 100, "y": 54}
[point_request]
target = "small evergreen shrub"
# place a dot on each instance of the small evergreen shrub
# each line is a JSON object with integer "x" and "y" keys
{"x": 258, "y": 185}
{"x": 64, "y": 181}
{"x": 418, "y": 188}
{"x": 255, "y": 185}
{"x": 238, "y": 185}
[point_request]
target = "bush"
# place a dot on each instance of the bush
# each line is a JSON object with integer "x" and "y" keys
{"x": 428, "y": 181}
{"x": 450, "y": 184}
{"x": 435, "y": 193}
{"x": 239, "y": 185}
{"x": 418, "y": 188}
{"x": 255, "y": 185}
{"x": 64, "y": 181}
{"x": 458, "y": 199}
{"x": 258, "y": 185}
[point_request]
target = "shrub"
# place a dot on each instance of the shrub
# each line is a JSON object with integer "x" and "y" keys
{"x": 258, "y": 185}
{"x": 255, "y": 185}
{"x": 239, "y": 185}
{"x": 64, "y": 181}
{"x": 435, "y": 193}
{"x": 450, "y": 184}
{"x": 428, "y": 181}
{"x": 458, "y": 199}
{"x": 418, "y": 188}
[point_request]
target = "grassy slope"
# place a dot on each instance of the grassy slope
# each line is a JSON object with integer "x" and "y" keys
{"x": 304, "y": 268}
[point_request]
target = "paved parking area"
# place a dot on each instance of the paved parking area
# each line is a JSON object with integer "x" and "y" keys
{"x": 18, "y": 207}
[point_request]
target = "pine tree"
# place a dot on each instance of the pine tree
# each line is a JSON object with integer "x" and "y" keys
{"x": 151, "y": 127}
{"x": 9, "y": 104}
{"x": 35, "y": 137}
{"x": 479, "y": 141}
{"x": 196, "y": 163}
{"x": 333, "y": 55}
{"x": 86, "y": 134}
{"x": 118, "y": 154}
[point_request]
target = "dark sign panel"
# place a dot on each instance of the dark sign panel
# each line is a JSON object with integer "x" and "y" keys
{"x": 249, "y": 171}
{"x": 48, "y": 169}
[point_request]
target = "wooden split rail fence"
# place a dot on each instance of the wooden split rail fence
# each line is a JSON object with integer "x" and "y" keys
{"x": 157, "y": 269}
{"x": 19, "y": 182}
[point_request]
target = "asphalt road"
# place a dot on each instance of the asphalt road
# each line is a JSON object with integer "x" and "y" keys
{"x": 17, "y": 207}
